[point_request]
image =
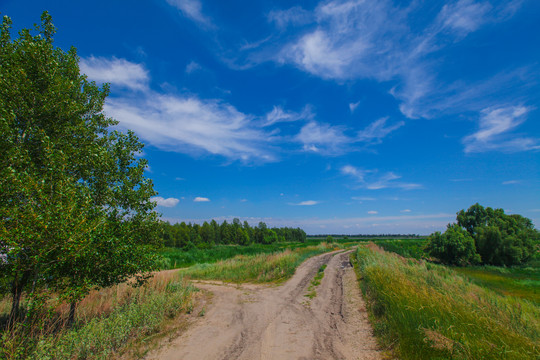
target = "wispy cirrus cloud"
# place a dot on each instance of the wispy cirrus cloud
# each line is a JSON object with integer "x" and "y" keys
{"x": 372, "y": 180}
{"x": 355, "y": 39}
{"x": 279, "y": 115}
{"x": 495, "y": 131}
{"x": 193, "y": 10}
{"x": 377, "y": 130}
{"x": 324, "y": 138}
{"x": 306, "y": 203}
{"x": 168, "y": 202}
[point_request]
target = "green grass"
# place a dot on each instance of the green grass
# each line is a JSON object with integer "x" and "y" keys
{"x": 412, "y": 248}
{"x": 258, "y": 268}
{"x": 175, "y": 258}
{"x": 141, "y": 315}
{"x": 316, "y": 282}
{"x": 425, "y": 311}
{"x": 519, "y": 282}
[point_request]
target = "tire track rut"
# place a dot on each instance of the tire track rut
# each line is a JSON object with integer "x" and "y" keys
{"x": 251, "y": 322}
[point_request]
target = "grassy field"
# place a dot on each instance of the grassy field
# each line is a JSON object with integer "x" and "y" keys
{"x": 109, "y": 322}
{"x": 277, "y": 266}
{"x": 523, "y": 283}
{"x": 174, "y": 258}
{"x": 425, "y": 311}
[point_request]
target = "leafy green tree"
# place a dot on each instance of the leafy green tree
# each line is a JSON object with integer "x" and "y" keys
{"x": 454, "y": 247}
{"x": 75, "y": 209}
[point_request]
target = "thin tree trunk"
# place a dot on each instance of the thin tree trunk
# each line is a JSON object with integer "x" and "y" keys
{"x": 16, "y": 290}
{"x": 71, "y": 317}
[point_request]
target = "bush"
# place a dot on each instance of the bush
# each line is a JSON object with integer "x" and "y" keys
{"x": 454, "y": 247}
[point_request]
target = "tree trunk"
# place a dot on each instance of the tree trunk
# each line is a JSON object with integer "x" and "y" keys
{"x": 71, "y": 317}
{"x": 16, "y": 290}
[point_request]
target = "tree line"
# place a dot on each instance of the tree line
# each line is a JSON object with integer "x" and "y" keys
{"x": 185, "y": 236}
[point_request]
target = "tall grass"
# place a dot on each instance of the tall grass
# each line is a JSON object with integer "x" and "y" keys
{"x": 107, "y": 321}
{"x": 425, "y": 311}
{"x": 257, "y": 268}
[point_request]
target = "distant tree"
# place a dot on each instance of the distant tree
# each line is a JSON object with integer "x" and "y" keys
{"x": 499, "y": 239}
{"x": 75, "y": 209}
{"x": 454, "y": 247}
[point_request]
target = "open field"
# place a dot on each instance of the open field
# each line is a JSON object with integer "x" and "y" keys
{"x": 523, "y": 283}
{"x": 258, "y": 268}
{"x": 427, "y": 311}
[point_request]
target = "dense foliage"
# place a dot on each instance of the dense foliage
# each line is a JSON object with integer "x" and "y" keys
{"x": 75, "y": 209}
{"x": 187, "y": 236}
{"x": 485, "y": 235}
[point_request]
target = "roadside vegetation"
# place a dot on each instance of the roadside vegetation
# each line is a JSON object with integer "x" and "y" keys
{"x": 421, "y": 310}
{"x": 258, "y": 268}
{"x": 108, "y": 323}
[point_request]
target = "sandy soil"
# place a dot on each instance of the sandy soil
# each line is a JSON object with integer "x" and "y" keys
{"x": 279, "y": 322}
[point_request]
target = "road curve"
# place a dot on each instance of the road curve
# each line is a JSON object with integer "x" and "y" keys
{"x": 252, "y": 322}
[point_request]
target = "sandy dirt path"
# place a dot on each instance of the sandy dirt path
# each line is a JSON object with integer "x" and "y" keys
{"x": 279, "y": 322}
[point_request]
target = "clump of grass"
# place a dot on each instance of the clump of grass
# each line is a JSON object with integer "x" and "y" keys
{"x": 257, "y": 268}
{"x": 428, "y": 311}
{"x": 107, "y": 322}
{"x": 316, "y": 282}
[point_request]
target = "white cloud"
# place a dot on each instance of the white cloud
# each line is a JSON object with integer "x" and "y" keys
{"x": 192, "y": 125}
{"x": 293, "y": 16}
{"x": 377, "y": 130}
{"x": 278, "y": 115}
{"x": 511, "y": 182}
{"x": 405, "y": 211}
{"x": 464, "y": 16}
{"x": 201, "y": 199}
{"x": 192, "y": 67}
{"x": 324, "y": 138}
{"x": 307, "y": 203}
{"x": 357, "y": 39}
{"x": 179, "y": 179}
{"x": 494, "y": 130}
{"x": 191, "y": 9}
{"x": 370, "y": 179}
{"x": 179, "y": 123}
{"x": 372, "y": 212}
{"x": 169, "y": 202}
{"x": 119, "y": 72}
{"x": 353, "y": 106}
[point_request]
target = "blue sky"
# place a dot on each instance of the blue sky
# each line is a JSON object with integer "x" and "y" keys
{"x": 356, "y": 116}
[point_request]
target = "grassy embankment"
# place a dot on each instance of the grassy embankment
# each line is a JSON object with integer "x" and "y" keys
{"x": 269, "y": 267}
{"x": 426, "y": 311}
{"x": 109, "y": 322}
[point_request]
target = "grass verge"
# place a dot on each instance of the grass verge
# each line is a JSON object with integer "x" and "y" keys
{"x": 108, "y": 322}
{"x": 426, "y": 311}
{"x": 257, "y": 268}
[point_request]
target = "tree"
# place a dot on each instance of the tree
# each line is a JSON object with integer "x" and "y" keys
{"x": 454, "y": 247}
{"x": 75, "y": 209}
{"x": 499, "y": 239}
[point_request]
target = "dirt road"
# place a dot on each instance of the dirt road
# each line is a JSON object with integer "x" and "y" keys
{"x": 279, "y": 322}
